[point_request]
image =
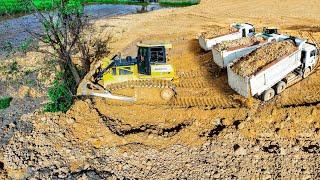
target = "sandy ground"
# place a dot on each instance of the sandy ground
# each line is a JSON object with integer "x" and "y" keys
{"x": 230, "y": 138}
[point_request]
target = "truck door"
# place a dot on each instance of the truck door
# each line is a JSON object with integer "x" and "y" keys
{"x": 251, "y": 32}
{"x": 143, "y": 59}
{"x": 303, "y": 56}
{"x": 313, "y": 57}
{"x": 243, "y": 32}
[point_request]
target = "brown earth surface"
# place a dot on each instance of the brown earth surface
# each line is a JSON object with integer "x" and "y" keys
{"x": 207, "y": 131}
{"x": 255, "y": 61}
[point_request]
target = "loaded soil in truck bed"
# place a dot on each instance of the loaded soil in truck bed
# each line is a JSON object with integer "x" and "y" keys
{"x": 258, "y": 59}
{"x": 227, "y": 45}
{"x": 218, "y": 31}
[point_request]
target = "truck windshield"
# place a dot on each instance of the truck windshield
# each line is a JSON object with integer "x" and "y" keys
{"x": 271, "y": 31}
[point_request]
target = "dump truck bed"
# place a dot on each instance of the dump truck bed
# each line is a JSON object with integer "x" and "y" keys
{"x": 256, "y": 83}
{"x": 223, "y": 56}
{"x": 207, "y": 42}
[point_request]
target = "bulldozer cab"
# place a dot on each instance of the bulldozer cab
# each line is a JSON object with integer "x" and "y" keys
{"x": 150, "y": 55}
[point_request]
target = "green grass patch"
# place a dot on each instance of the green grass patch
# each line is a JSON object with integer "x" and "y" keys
{"x": 128, "y": 2}
{"x": 59, "y": 95}
{"x": 5, "y": 102}
{"x": 178, "y": 3}
{"x": 18, "y": 6}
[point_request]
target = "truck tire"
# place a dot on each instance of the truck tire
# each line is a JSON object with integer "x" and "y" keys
{"x": 280, "y": 87}
{"x": 306, "y": 72}
{"x": 268, "y": 94}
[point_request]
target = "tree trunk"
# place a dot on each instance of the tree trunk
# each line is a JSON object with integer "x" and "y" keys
{"x": 74, "y": 71}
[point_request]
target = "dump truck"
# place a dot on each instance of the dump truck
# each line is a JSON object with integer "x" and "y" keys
{"x": 253, "y": 76}
{"x": 226, "y": 52}
{"x": 236, "y": 31}
{"x": 149, "y": 69}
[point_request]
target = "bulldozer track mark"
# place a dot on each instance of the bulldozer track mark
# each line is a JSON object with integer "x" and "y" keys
{"x": 191, "y": 74}
{"x": 194, "y": 84}
{"x": 300, "y": 103}
{"x": 201, "y": 92}
{"x": 202, "y": 102}
{"x": 309, "y": 96}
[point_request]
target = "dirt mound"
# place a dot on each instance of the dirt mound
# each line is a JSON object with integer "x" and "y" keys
{"x": 217, "y": 31}
{"x": 238, "y": 43}
{"x": 253, "y": 62}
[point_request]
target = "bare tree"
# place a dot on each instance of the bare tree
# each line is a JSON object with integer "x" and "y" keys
{"x": 62, "y": 29}
{"x": 68, "y": 31}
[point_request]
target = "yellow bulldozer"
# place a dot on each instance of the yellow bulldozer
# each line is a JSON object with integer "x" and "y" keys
{"x": 148, "y": 70}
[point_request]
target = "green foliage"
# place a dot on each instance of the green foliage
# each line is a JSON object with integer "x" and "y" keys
{"x": 60, "y": 97}
{"x": 13, "y": 67}
{"x": 18, "y": 6}
{"x": 178, "y": 3}
{"x": 8, "y": 46}
{"x": 5, "y": 102}
{"x": 27, "y": 45}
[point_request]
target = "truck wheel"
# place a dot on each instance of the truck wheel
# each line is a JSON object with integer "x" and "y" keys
{"x": 268, "y": 94}
{"x": 281, "y": 86}
{"x": 167, "y": 94}
{"x": 306, "y": 72}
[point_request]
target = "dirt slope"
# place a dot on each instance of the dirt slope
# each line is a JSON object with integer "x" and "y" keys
{"x": 185, "y": 139}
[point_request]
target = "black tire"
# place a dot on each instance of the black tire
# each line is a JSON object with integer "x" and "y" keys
{"x": 306, "y": 72}
{"x": 268, "y": 94}
{"x": 280, "y": 87}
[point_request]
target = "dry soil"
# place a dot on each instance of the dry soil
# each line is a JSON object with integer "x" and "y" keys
{"x": 231, "y": 138}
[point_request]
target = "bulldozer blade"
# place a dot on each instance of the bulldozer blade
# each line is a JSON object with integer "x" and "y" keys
{"x": 108, "y": 95}
{"x": 98, "y": 91}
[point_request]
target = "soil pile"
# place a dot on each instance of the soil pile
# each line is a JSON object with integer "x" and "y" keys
{"x": 247, "y": 41}
{"x": 253, "y": 62}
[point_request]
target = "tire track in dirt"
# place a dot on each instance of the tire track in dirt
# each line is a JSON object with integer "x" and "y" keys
{"x": 211, "y": 102}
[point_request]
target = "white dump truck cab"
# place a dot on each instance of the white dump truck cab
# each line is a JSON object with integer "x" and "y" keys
{"x": 309, "y": 57}
{"x": 246, "y": 29}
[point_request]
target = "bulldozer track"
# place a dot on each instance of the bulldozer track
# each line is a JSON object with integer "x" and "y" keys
{"x": 141, "y": 84}
{"x": 206, "y": 98}
{"x": 186, "y": 102}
